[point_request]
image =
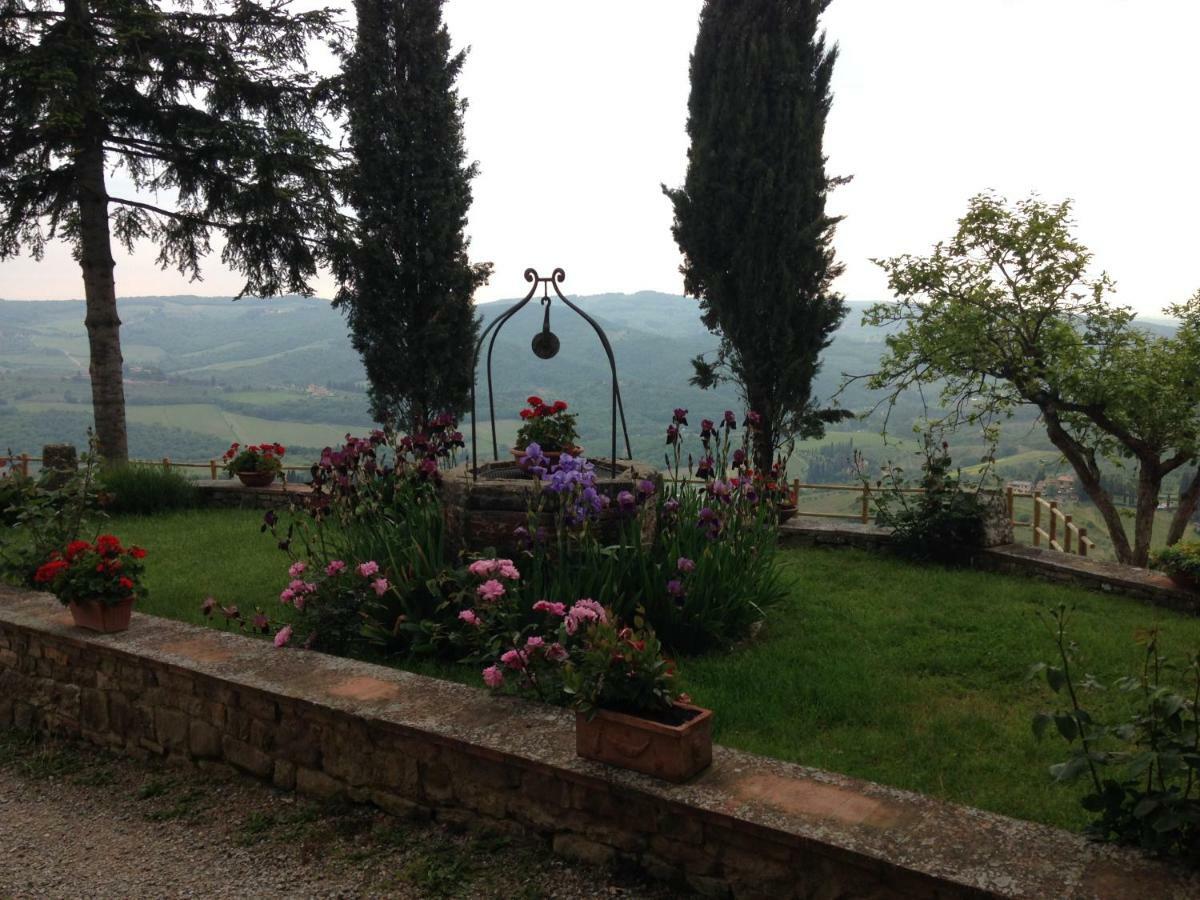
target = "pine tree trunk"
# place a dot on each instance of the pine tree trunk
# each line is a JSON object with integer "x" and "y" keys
{"x": 96, "y": 260}
{"x": 1188, "y": 501}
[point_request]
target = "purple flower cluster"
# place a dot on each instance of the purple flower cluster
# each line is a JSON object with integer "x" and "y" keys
{"x": 574, "y": 481}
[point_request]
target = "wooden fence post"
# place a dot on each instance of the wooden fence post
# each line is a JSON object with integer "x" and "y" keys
{"x": 166, "y": 464}
{"x": 25, "y": 464}
{"x": 1053, "y": 523}
{"x": 1008, "y": 501}
{"x": 866, "y": 504}
{"x": 212, "y": 468}
{"x": 1083, "y": 542}
{"x": 1066, "y": 534}
{"x": 796, "y": 491}
{"x": 1037, "y": 518}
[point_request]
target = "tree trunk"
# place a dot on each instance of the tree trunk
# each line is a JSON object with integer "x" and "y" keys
{"x": 763, "y": 447}
{"x": 1188, "y": 501}
{"x": 1089, "y": 477}
{"x": 96, "y": 260}
{"x": 1149, "y": 483}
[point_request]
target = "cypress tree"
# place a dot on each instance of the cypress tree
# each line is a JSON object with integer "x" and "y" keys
{"x": 407, "y": 283}
{"x": 208, "y": 104}
{"x": 750, "y": 218}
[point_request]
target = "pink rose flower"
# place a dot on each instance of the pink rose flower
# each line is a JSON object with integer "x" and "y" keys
{"x": 533, "y": 643}
{"x": 508, "y": 570}
{"x": 554, "y": 609}
{"x": 514, "y": 659}
{"x": 381, "y": 585}
{"x": 493, "y": 677}
{"x": 298, "y": 600}
{"x": 468, "y": 616}
{"x": 556, "y": 652}
{"x": 367, "y": 569}
{"x": 490, "y": 591}
{"x": 482, "y": 568}
{"x": 286, "y": 595}
{"x": 685, "y": 565}
{"x": 284, "y": 635}
{"x": 296, "y": 568}
{"x": 334, "y": 567}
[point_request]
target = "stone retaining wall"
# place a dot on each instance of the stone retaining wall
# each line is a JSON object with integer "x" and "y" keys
{"x": 231, "y": 494}
{"x": 415, "y": 746}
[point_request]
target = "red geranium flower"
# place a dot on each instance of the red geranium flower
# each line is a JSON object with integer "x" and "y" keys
{"x": 560, "y": 405}
{"x": 108, "y": 544}
{"x": 76, "y": 547}
{"x": 49, "y": 571}
{"x": 137, "y": 552}
{"x": 527, "y": 413}
{"x": 126, "y": 583}
{"x": 534, "y": 400}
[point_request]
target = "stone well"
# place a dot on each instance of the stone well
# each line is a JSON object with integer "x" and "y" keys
{"x": 483, "y": 508}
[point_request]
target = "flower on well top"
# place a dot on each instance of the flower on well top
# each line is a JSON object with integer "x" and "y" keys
{"x": 549, "y": 425}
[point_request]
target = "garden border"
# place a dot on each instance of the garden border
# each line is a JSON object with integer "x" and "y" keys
{"x": 1020, "y": 559}
{"x": 418, "y": 746}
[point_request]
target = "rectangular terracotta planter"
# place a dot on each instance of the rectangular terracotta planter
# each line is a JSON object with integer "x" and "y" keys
{"x": 671, "y": 752}
{"x": 97, "y": 616}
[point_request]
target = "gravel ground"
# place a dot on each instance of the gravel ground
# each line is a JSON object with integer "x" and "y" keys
{"x": 78, "y": 822}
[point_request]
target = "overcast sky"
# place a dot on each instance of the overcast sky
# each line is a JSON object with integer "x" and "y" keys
{"x": 578, "y": 108}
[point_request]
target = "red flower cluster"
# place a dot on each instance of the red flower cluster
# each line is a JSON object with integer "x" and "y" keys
{"x": 105, "y": 569}
{"x": 267, "y": 450}
{"x": 538, "y": 408}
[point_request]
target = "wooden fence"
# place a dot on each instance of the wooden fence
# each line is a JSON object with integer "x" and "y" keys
{"x": 1050, "y": 524}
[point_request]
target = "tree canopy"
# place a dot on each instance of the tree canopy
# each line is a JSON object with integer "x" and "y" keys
{"x": 1005, "y": 314}
{"x": 207, "y": 116}
{"x": 750, "y": 218}
{"x": 407, "y": 283}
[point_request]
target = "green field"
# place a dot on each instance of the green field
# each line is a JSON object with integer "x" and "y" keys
{"x": 908, "y": 675}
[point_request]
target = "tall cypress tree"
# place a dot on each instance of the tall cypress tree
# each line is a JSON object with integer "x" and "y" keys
{"x": 407, "y": 283}
{"x": 207, "y": 105}
{"x": 750, "y": 218}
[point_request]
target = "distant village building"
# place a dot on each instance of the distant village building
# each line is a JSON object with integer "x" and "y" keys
{"x": 315, "y": 390}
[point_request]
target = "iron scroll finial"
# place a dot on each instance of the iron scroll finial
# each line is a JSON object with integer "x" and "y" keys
{"x": 545, "y": 345}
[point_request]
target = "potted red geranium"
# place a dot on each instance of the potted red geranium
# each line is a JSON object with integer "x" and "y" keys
{"x": 550, "y": 426}
{"x": 628, "y": 712}
{"x": 256, "y": 465}
{"x": 99, "y": 582}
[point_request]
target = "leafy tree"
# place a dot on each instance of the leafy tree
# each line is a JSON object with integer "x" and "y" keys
{"x": 750, "y": 218}
{"x": 1004, "y": 315}
{"x": 209, "y": 103}
{"x": 407, "y": 284}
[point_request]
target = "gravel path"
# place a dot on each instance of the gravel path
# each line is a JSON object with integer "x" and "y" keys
{"x": 78, "y": 822}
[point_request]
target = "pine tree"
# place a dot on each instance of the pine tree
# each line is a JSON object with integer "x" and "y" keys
{"x": 208, "y": 105}
{"x": 750, "y": 218}
{"x": 407, "y": 283}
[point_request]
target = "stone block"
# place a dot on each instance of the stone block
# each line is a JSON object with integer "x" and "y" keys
{"x": 284, "y": 775}
{"x": 401, "y": 807}
{"x": 246, "y": 757}
{"x": 171, "y": 727}
{"x": 204, "y": 740}
{"x": 318, "y": 784}
{"x": 93, "y": 710}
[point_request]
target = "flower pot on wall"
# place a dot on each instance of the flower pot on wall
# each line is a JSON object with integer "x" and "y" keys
{"x": 256, "y": 479}
{"x": 674, "y": 750}
{"x": 97, "y": 616}
{"x": 785, "y": 511}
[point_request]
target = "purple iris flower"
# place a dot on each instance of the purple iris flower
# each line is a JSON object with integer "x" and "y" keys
{"x": 645, "y": 489}
{"x": 707, "y": 468}
{"x": 739, "y": 458}
{"x": 679, "y": 417}
{"x": 730, "y": 420}
{"x": 671, "y": 506}
{"x": 753, "y": 419}
{"x": 675, "y": 587}
{"x": 626, "y": 501}
{"x": 707, "y": 429}
{"x": 683, "y": 564}
{"x": 672, "y": 434}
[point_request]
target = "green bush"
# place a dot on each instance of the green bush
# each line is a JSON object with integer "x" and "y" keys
{"x": 139, "y": 489}
{"x": 1180, "y": 560}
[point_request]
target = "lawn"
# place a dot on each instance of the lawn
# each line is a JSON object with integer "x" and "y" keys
{"x": 907, "y": 675}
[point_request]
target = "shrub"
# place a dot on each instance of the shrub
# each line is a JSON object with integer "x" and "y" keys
{"x": 1181, "y": 561}
{"x": 941, "y": 523}
{"x": 141, "y": 489}
{"x": 15, "y": 491}
{"x": 1152, "y": 797}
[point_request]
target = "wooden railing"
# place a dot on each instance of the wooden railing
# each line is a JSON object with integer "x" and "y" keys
{"x": 21, "y": 462}
{"x": 1052, "y": 525}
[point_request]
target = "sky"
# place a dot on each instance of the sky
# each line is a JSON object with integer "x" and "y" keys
{"x": 577, "y": 116}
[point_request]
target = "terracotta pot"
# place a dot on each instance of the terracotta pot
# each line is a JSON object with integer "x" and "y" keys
{"x": 552, "y": 455}
{"x": 256, "y": 479}
{"x": 97, "y": 616}
{"x": 671, "y": 752}
{"x": 786, "y": 511}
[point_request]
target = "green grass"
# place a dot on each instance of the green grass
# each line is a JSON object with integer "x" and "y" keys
{"x": 907, "y": 675}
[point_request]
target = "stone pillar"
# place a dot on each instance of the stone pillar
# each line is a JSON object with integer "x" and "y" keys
{"x": 59, "y": 463}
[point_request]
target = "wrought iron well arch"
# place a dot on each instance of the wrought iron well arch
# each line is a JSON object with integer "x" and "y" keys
{"x": 545, "y": 346}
